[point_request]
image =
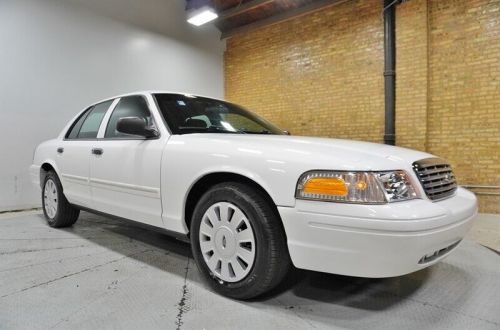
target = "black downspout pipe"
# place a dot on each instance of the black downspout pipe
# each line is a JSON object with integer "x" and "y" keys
{"x": 390, "y": 71}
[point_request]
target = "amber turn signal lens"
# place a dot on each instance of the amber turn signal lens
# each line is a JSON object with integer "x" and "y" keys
{"x": 326, "y": 186}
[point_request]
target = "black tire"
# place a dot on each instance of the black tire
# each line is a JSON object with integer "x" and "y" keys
{"x": 65, "y": 215}
{"x": 272, "y": 261}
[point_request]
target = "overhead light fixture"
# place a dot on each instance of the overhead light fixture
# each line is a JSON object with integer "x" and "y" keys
{"x": 202, "y": 16}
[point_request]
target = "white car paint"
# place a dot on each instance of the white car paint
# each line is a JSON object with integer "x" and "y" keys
{"x": 149, "y": 180}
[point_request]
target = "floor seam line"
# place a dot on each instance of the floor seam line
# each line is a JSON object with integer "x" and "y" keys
{"x": 70, "y": 275}
{"x": 181, "y": 305}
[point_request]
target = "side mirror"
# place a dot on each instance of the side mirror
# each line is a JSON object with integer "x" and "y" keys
{"x": 135, "y": 126}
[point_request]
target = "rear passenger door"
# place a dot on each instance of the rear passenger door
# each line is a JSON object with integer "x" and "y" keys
{"x": 73, "y": 154}
{"x": 125, "y": 169}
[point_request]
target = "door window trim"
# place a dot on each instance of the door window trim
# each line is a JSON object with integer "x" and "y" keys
{"x": 104, "y": 123}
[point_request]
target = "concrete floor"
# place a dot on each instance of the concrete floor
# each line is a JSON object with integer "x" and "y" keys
{"x": 105, "y": 274}
{"x": 486, "y": 231}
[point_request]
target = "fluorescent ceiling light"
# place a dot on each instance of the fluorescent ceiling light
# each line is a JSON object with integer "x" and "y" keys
{"x": 202, "y": 16}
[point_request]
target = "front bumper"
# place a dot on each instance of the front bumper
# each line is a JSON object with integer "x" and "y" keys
{"x": 376, "y": 240}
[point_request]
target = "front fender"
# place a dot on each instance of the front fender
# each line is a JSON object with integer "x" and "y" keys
{"x": 251, "y": 175}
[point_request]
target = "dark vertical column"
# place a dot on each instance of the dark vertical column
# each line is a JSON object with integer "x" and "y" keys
{"x": 390, "y": 71}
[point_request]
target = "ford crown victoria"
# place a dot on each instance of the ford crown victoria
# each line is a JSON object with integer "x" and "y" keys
{"x": 252, "y": 199}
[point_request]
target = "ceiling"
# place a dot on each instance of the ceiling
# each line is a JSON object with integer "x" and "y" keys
{"x": 236, "y": 16}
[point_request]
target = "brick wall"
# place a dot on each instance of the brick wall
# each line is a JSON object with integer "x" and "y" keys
{"x": 318, "y": 74}
{"x": 412, "y": 74}
{"x": 321, "y": 74}
{"x": 464, "y": 90}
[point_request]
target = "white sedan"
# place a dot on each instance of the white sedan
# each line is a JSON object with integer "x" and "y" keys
{"x": 252, "y": 199}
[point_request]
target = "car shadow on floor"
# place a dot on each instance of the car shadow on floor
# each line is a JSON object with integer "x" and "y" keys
{"x": 148, "y": 247}
{"x": 362, "y": 293}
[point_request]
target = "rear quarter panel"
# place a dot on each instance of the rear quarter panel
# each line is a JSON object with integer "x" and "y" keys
{"x": 45, "y": 153}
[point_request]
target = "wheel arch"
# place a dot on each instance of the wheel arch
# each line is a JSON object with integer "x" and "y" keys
{"x": 45, "y": 167}
{"x": 205, "y": 182}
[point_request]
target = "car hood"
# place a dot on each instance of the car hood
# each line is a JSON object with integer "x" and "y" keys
{"x": 314, "y": 153}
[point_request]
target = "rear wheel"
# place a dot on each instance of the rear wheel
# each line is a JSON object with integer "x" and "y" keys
{"x": 56, "y": 208}
{"x": 238, "y": 241}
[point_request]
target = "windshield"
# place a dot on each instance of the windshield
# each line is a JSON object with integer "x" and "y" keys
{"x": 191, "y": 114}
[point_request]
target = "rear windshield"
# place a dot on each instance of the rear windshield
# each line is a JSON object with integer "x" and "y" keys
{"x": 191, "y": 114}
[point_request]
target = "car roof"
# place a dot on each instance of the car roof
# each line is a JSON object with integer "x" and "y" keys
{"x": 149, "y": 92}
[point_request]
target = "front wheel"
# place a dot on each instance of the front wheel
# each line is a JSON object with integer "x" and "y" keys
{"x": 56, "y": 208}
{"x": 238, "y": 241}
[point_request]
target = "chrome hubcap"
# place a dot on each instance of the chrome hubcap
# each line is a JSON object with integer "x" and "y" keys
{"x": 227, "y": 242}
{"x": 50, "y": 198}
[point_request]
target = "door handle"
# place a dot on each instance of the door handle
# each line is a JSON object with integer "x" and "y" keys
{"x": 60, "y": 150}
{"x": 97, "y": 151}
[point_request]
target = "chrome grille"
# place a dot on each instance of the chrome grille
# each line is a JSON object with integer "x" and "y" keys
{"x": 436, "y": 177}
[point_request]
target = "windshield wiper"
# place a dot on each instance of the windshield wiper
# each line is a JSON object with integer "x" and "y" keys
{"x": 254, "y": 132}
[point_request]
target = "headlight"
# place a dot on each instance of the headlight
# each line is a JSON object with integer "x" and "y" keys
{"x": 355, "y": 187}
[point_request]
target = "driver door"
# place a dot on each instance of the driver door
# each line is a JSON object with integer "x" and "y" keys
{"x": 125, "y": 169}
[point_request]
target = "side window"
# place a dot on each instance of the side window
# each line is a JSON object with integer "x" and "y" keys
{"x": 129, "y": 106}
{"x": 90, "y": 126}
{"x": 73, "y": 131}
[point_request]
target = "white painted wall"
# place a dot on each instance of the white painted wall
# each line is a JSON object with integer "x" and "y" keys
{"x": 58, "y": 56}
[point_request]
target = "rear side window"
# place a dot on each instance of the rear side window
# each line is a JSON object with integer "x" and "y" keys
{"x": 73, "y": 132}
{"x": 91, "y": 123}
{"x": 130, "y": 106}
